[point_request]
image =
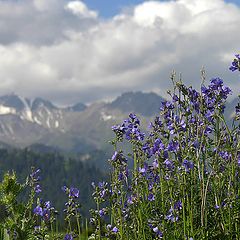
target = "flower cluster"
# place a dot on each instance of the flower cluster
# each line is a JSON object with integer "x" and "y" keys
{"x": 169, "y": 188}
{"x": 72, "y": 210}
{"x": 101, "y": 191}
{"x": 43, "y": 209}
{"x": 129, "y": 128}
{"x": 214, "y": 97}
{"x": 68, "y": 237}
{"x": 235, "y": 63}
{"x": 44, "y": 213}
{"x": 34, "y": 180}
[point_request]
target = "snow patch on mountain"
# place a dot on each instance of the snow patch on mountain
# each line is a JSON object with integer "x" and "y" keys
{"x": 56, "y": 124}
{"x": 6, "y": 110}
{"x": 37, "y": 121}
{"x": 48, "y": 123}
{"x": 26, "y": 113}
{"x": 106, "y": 117}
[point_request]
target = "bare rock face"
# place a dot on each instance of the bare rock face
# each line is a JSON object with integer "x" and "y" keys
{"x": 25, "y": 122}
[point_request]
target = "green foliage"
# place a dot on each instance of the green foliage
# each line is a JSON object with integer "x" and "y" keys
{"x": 15, "y": 215}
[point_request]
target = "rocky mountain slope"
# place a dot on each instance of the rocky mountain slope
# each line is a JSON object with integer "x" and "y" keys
{"x": 79, "y": 128}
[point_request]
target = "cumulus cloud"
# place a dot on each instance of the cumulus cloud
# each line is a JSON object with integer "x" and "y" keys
{"x": 80, "y": 9}
{"x": 39, "y": 22}
{"x": 65, "y": 52}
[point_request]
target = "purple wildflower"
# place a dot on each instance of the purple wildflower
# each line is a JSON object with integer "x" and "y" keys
{"x": 217, "y": 207}
{"x": 157, "y": 232}
{"x": 151, "y": 197}
{"x": 74, "y": 192}
{"x": 188, "y": 165}
{"x": 37, "y": 188}
{"x": 143, "y": 170}
{"x": 169, "y": 164}
{"x": 34, "y": 175}
{"x": 115, "y": 230}
{"x": 173, "y": 146}
{"x": 38, "y": 211}
{"x": 101, "y": 212}
{"x": 235, "y": 63}
{"x": 155, "y": 164}
{"x": 225, "y": 155}
{"x": 68, "y": 237}
{"x": 171, "y": 217}
{"x": 118, "y": 158}
{"x": 178, "y": 205}
{"x": 46, "y": 214}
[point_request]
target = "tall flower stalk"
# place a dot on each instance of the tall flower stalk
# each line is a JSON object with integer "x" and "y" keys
{"x": 72, "y": 212}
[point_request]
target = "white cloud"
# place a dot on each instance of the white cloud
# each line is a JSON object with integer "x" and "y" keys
{"x": 200, "y": 6}
{"x": 165, "y": 14}
{"x": 80, "y": 9}
{"x": 66, "y": 52}
{"x": 39, "y": 22}
{"x": 45, "y": 5}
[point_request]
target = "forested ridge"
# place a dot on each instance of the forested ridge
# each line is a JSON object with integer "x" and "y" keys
{"x": 57, "y": 170}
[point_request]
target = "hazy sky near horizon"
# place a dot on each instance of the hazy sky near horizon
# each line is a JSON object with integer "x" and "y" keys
{"x": 69, "y": 51}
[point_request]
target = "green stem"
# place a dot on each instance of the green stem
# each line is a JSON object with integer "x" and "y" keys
{"x": 79, "y": 227}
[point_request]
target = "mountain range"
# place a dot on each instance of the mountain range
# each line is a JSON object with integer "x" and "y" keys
{"x": 79, "y": 128}
{"x": 39, "y": 124}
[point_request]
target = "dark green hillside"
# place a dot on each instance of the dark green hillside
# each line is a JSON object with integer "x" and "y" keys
{"x": 56, "y": 171}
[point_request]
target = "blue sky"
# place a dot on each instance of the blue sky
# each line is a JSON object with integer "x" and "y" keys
{"x": 108, "y": 8}
{"x": 234, "y": 1}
